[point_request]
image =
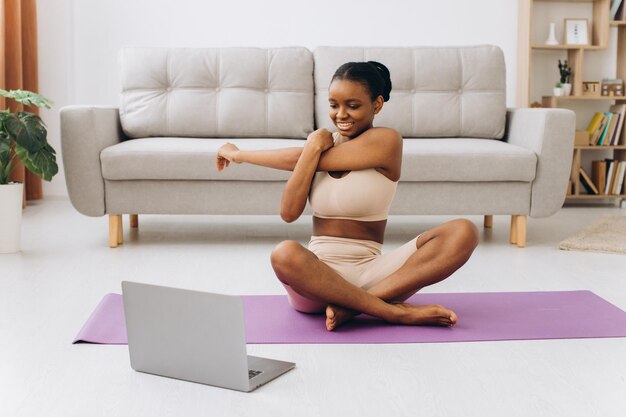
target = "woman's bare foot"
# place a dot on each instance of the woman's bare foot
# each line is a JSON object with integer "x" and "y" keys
{"x": 336, "y": 316}
{"x": 430, "y": 315}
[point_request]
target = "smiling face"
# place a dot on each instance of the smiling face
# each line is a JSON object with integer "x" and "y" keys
{"x": 351, "y": 107}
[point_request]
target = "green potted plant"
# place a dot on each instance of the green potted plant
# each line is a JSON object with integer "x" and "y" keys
{"x": 564, "y": 73}
{"x": 23, "y": 135}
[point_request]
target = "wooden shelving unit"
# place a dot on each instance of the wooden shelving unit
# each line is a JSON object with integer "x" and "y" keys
{"x": 553, "y": 101}
{"x": 619, "y": 152}
{"x": 600, "y": 27}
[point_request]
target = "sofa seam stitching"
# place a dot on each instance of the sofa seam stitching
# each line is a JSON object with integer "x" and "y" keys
{"x": 461, "y": 131}
{"x": 267, "y": 87}
{"x": 413, "y": 106}
{"x": 217, "y": 95}
{"x": 167, "y": 94}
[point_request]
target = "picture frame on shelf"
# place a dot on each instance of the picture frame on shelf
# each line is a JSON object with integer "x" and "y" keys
{"x": 576, "y": 31}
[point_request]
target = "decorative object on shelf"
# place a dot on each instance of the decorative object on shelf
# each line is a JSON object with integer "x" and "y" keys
{"x": 576, "y": 31}
{"x": 23, "y": 135}
{"x": 552, "y": 36}
{"x": 613, "y": 87}
{"x": 557, "y": 91}
{"x": 565, "y": 72}
{"x": 535, "y": 105}
{"x": 567, "y": 88}
{"x": 591, "y": 88}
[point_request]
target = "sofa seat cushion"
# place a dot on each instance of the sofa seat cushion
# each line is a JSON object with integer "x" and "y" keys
{"x": 169, "y": 158}
{"x": 424, "y": 160}
{"x": 466, "y": 160}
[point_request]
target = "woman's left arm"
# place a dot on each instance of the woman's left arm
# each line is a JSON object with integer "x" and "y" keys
{"x": 378, "y": 147}
{"x": 296, "y": 191}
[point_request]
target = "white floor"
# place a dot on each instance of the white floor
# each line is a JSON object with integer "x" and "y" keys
{"x": 49, "y": 289}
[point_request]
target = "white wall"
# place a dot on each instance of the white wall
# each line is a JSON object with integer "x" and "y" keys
{"x": 79, "y": 39}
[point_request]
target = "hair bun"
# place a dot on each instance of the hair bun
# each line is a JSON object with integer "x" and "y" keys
{"x": 385, "y": 75}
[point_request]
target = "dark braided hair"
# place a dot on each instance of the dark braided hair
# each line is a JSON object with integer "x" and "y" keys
{"x": 373, "y": 75}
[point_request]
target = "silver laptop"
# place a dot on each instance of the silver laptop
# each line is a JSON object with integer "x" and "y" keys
{"x": 194, "y": 336}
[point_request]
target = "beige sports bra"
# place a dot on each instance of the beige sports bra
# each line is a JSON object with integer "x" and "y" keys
{"x": 363, "y": 195}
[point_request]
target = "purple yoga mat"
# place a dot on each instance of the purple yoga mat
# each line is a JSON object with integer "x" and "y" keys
{"x": 106, "y": 324}
{"x": 482, "y": 317}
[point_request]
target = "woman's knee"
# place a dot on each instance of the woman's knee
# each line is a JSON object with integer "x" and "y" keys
{"x": 465, "y": 234}
{"x": 286, "y": 256}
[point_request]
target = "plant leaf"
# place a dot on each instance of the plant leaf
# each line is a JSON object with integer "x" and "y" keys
{"x": 5, "y": 162}
{"x": 27, "y": 98}
{"x": 27, "y": 129}
{"x": 41, "y": 163}
{"x": 4, "y": 137}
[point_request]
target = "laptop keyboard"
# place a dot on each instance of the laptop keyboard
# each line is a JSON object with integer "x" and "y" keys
{"x": 252, "y": 373}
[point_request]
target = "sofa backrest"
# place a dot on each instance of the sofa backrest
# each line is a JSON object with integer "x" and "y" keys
{"x": 217, "y": 92}
{"x": 436, "y": 91}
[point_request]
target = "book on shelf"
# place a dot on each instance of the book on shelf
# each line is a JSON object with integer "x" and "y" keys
{"x": 619, "y": 183}
{"x": 610, "y": 138}
{"x": 596, "y": 127}
{"x": 617, "y": 177}
{"x": 609, "y": 172}
{"x": 620, "y": 13}
{"x": 585, "y": 180}
{"x": 594, "y": 123}
{"x": 610, "y": 124}
{"x": 616, "y": 5}
{"x": 612, "y": 168}
{"x": 613, "y": 185}
{"x": 620, "y": 109}
{"x": 598, "y": 174}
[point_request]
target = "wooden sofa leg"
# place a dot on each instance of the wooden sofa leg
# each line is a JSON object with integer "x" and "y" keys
{"x": 134, "y": 220}
{"x": 521, "y": 231}
{"x": 120, "y": 231}
{"x": 115, "y": 230}
{"x": 513, "y": 236}
{"x": 488, "y": 224}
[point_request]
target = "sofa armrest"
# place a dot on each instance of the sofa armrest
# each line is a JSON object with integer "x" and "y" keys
{"x": 550, "y": 134}
{"x": 85, "y": 132}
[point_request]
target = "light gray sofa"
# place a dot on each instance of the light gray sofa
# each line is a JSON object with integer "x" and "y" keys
{"x": 465, "y": 153}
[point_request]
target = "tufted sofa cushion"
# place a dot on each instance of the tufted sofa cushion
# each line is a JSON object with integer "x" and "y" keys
{"x": 220, "y": 92}
{"x": 437, "y": 91}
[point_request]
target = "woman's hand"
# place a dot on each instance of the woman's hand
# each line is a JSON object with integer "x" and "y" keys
{"x": 226, "y": 154}
{"x": 321, "y": 139}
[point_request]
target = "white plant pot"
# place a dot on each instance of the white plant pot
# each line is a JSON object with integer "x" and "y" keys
{"x": 567, "y": 89}
{"x": 10, "y": 217}
{"x": 557, "y": 91}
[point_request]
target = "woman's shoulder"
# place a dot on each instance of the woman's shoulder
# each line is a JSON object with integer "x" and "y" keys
{"x": 388, "y": 130}
{"x": 385, "y": 134}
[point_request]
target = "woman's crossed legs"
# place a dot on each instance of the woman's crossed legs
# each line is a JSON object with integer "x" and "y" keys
{"x": 313, "y": 285}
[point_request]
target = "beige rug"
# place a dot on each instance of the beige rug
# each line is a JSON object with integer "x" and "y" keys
{"x": 607, "y": 234}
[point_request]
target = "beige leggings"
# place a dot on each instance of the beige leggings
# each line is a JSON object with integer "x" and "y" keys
{"x": 359, "y": 262}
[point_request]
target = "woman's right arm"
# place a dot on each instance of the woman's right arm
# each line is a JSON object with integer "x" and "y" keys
{"x": 283, "y": 158}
